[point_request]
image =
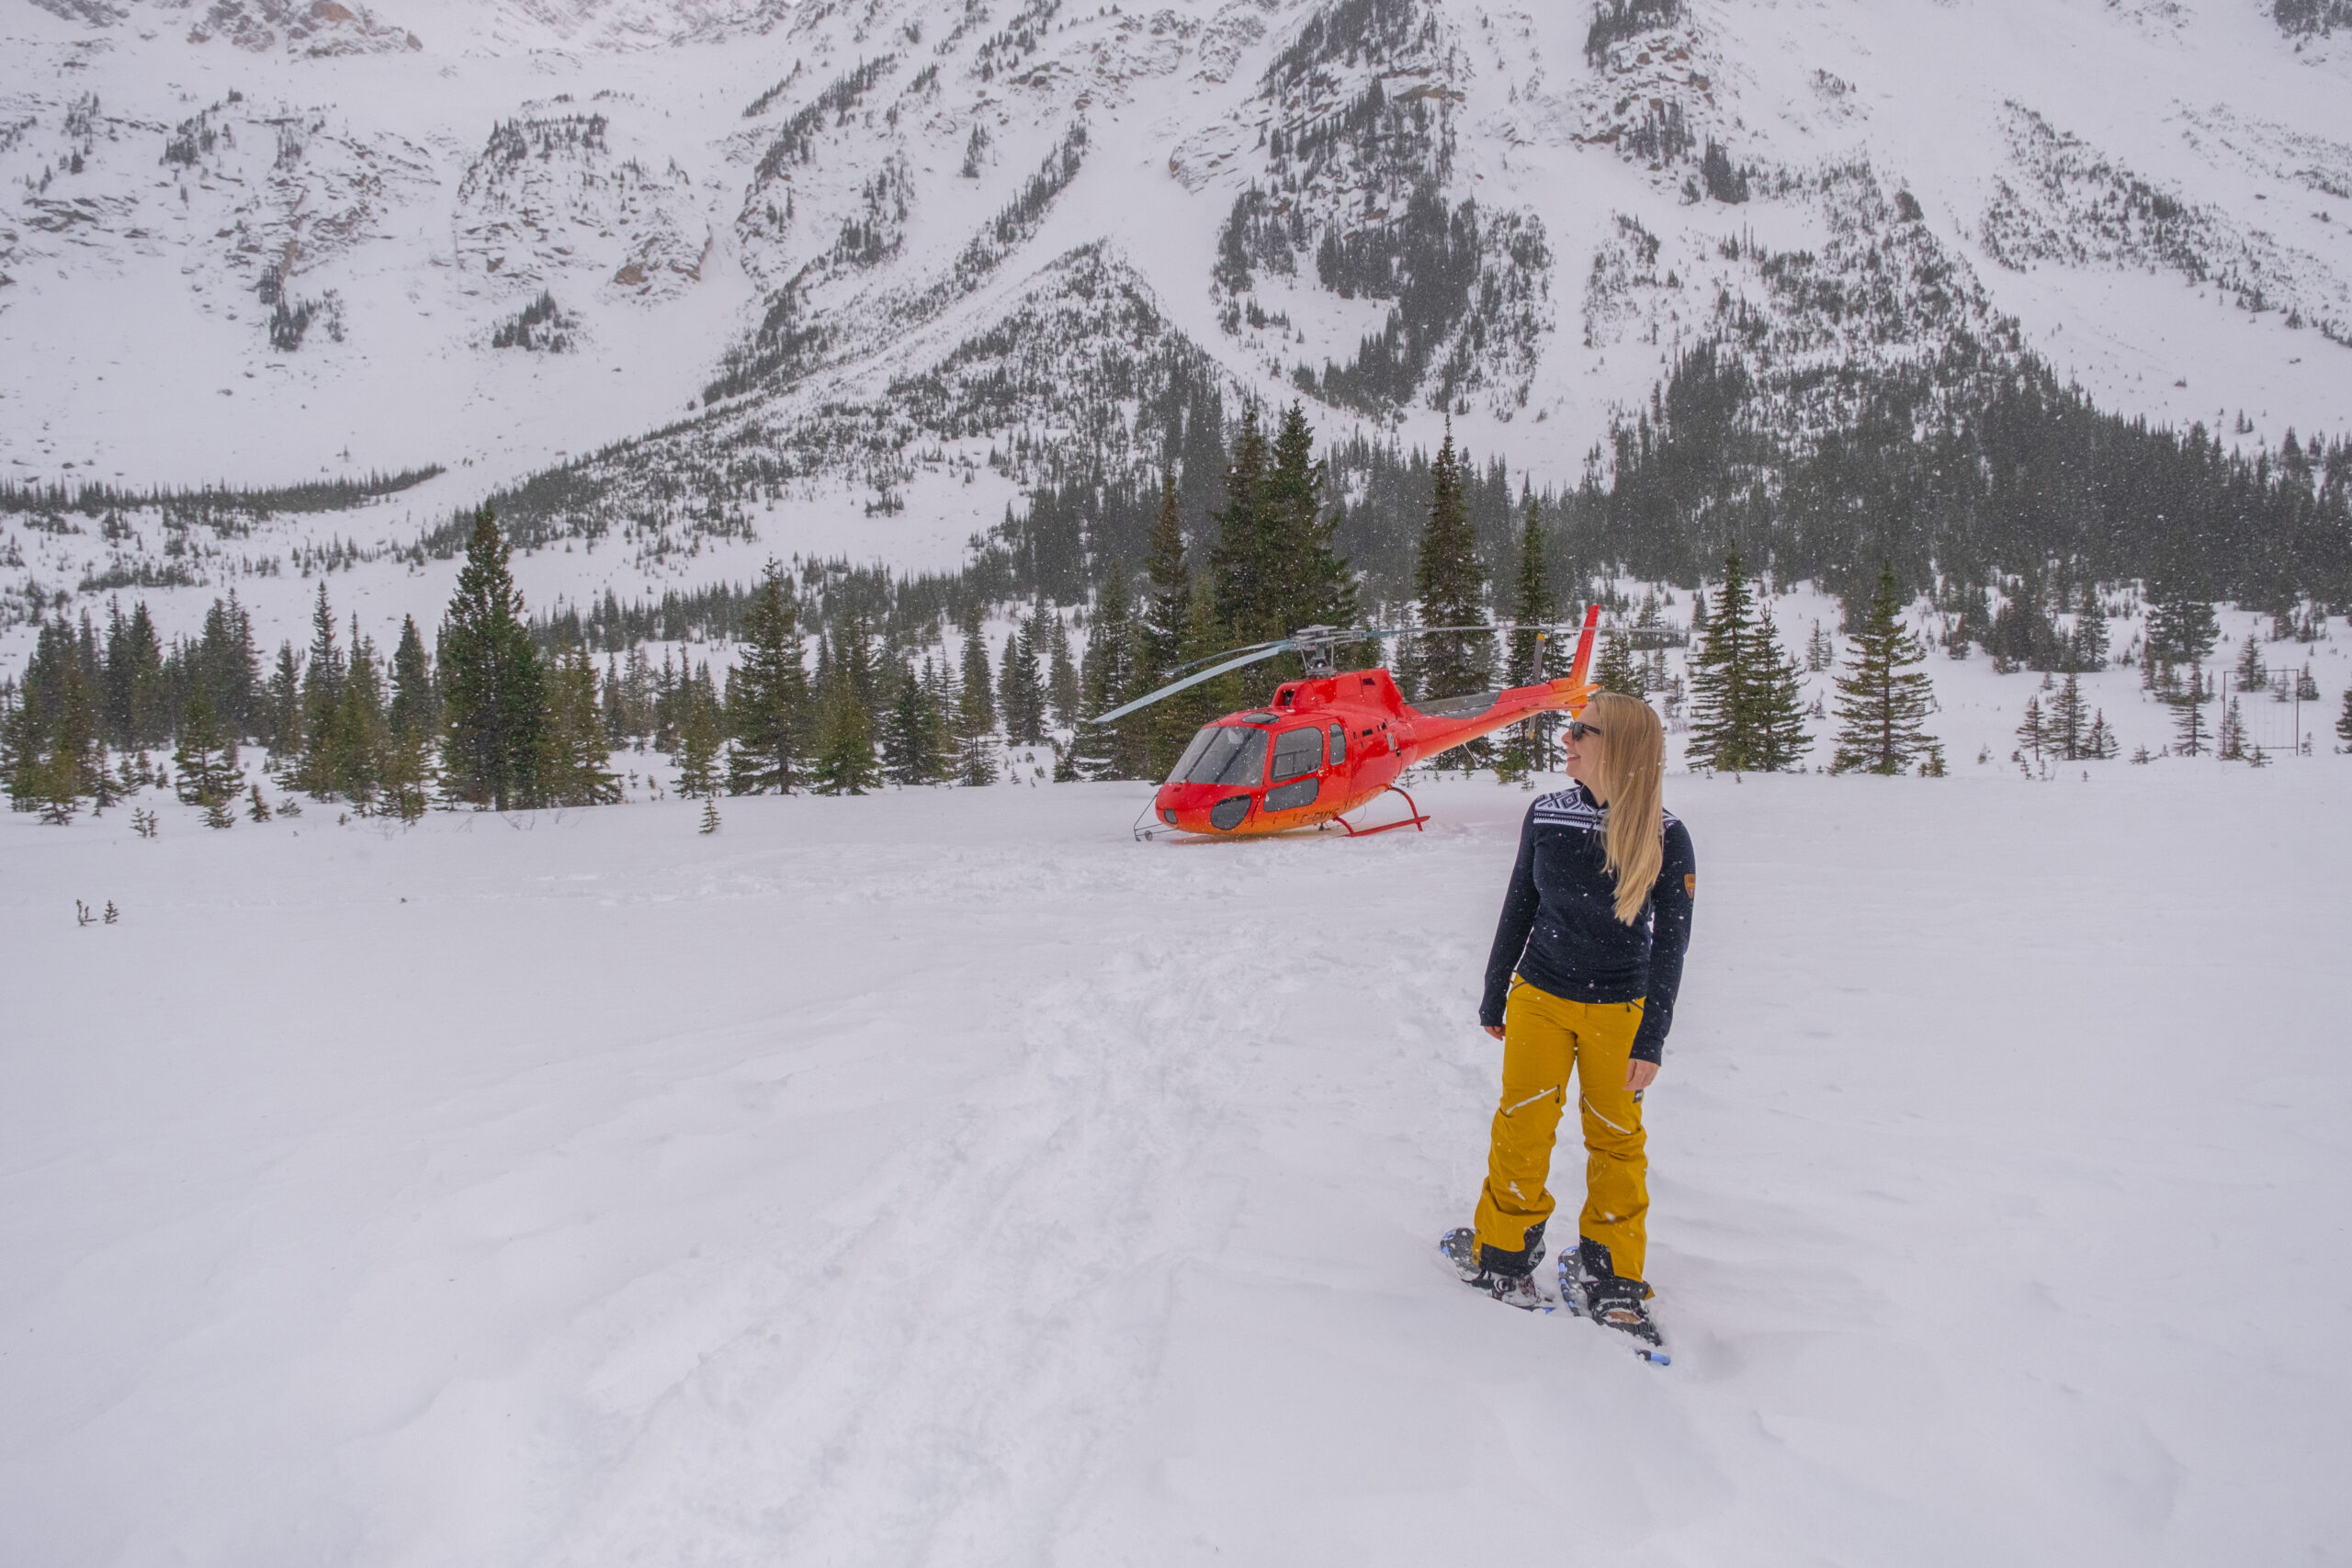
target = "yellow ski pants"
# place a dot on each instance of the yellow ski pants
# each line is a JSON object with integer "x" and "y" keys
{"x": 1546, "y": 1038}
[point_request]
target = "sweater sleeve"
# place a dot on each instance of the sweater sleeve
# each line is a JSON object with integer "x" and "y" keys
{"x": 1670, "y": 902}
{"x": 1519, "y": 903}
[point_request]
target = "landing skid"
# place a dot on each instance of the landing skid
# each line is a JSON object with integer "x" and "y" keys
{"x": 1413, "y": 821}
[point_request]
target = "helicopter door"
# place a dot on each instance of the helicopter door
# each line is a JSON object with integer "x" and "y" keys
{"x": 1297, "y": 754}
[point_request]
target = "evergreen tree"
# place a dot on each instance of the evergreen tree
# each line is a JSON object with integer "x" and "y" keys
{"x": 1061, "y": 673}
{"x": 2088, "y": 649}
{"x": 1227, "y": 692}
{"x": 2231, "y": 745}
{"x": 416, "y": 705}
{"x": 939, "y": 721}
{"x": 2033, "y": 732}
{"x": 1880, "y": 699}
{"x": 1164, "y": 640}
{"x": 1098, "y": 750}
{"x": 2098, "y": 741}
{"x": 908, "y": 754}
{"x": 1614, "y": 668}
{"x": 494, "y": 691}
{"x": 1240, "y": 577}
{"x": 1310, "y": 584}
{"x": 768, "y": 693}
{"x": 2068, "y": 724}
{"x": 977, "y": 683}
{"x": 283, "y": 715}
{"x": 410, "y": 775}
{"x": 1021, "y": 695}
{"x": 76, "y": 752}
{"x": 206, "y": 758}
{"x": 1450, "y": 587}
{"x": 574, "y": 766}
{"x": 362, "y": 735}
{"x": 701, "y": 732}
{"x": 1779, "y": 738}
{"x": 2023, "y": 637}
{"x": 1406, "y": 666}
{"x": 114, "y": 697}
{"x": 138, "y": 699}
{"x": 975, "y": 712}
{"x": 2252, "y": 675}
{"x": 1820, "y": 653}
{"x": 323, "y": 678}
{"x": 631, "y": 708}
{"x": 2344, "y": 720}
{"x": 2189, "y": 734}
{"x": 852, "y": 659}
{"x": 56, "y": 750}
{"x": 613, "y": 707}
{"x": 845, "y": 746}
{"x": 2182, "y": 630}
{"x": 1975, "y": 622}
{"x": 224, "y": 665}
{"x": 103, "y": 793}
{"x": 1726, "y": 677}
{"x": 1527, "y": 658}
{"x": 664, "y": 708}
{"x": 23, "y": 737}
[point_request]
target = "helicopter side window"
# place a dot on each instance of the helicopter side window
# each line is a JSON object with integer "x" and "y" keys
{"x": 1222, "y": 754}
{"x": 1338, "y": 744}
{"x": 1298, "y": 752}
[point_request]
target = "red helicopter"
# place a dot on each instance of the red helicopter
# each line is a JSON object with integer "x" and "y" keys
{"x": 1333, "y": 741}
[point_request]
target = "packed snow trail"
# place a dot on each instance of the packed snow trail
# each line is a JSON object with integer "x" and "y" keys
{"x": 943, "y": 1179}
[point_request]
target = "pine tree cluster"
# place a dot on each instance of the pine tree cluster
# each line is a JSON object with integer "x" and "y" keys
{"x": 2067, "y": 730}
{"x": 1747, "y": 710}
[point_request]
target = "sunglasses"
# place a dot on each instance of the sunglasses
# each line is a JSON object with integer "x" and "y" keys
{"x": 1579, "y": 729}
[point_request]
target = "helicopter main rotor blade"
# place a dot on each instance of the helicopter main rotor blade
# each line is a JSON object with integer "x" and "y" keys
{"x": 1173, "y": 687}
{"x": 1277, "y": 646}
{"x": 1366, "y": 633}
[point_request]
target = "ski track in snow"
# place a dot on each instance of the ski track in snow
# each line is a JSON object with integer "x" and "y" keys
{"x": 944, "y": 1178}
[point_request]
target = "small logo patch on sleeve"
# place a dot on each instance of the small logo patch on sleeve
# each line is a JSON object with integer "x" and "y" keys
{"x": 1690, "y": 884}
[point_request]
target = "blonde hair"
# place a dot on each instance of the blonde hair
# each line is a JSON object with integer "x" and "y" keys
{"x": 1633, "y": 777}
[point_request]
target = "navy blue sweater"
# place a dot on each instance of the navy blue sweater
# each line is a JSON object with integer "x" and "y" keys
{"x": 1560, "y": 929}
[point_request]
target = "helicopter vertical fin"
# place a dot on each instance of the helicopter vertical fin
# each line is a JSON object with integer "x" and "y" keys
{"x": 1581, "y": 669}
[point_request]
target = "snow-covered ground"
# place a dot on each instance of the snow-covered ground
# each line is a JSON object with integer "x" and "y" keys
{"x": 943, "y": 1178}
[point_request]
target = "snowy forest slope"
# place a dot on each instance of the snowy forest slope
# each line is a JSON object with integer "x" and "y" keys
{"x": 856, "y": 279}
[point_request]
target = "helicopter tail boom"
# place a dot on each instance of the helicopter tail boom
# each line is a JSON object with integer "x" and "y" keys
{"x": 1428, "y": 733}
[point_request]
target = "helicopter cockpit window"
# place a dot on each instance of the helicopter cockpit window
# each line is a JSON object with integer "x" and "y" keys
{"x": 1338, "y": 744}
{"x": 1193, "y": 753}
{"x": 1222, "y": 754}
{"x": 1298, "y": 752}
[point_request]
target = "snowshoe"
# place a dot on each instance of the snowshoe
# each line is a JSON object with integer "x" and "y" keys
{"x": 1590, "y": 1288}
{"x": 1512, "y": 1287}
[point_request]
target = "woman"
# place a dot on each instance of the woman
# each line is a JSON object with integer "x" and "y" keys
{"x": 1586, "y": 963}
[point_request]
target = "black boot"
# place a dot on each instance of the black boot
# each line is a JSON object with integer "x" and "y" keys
{"x": 1593, "y": 1288}
{"x": 1526, "y": 1260}
{"x": 1509, "y": 1277}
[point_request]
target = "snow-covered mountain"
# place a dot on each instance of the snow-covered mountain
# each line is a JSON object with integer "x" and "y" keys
{"x": 719, "y": 278}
